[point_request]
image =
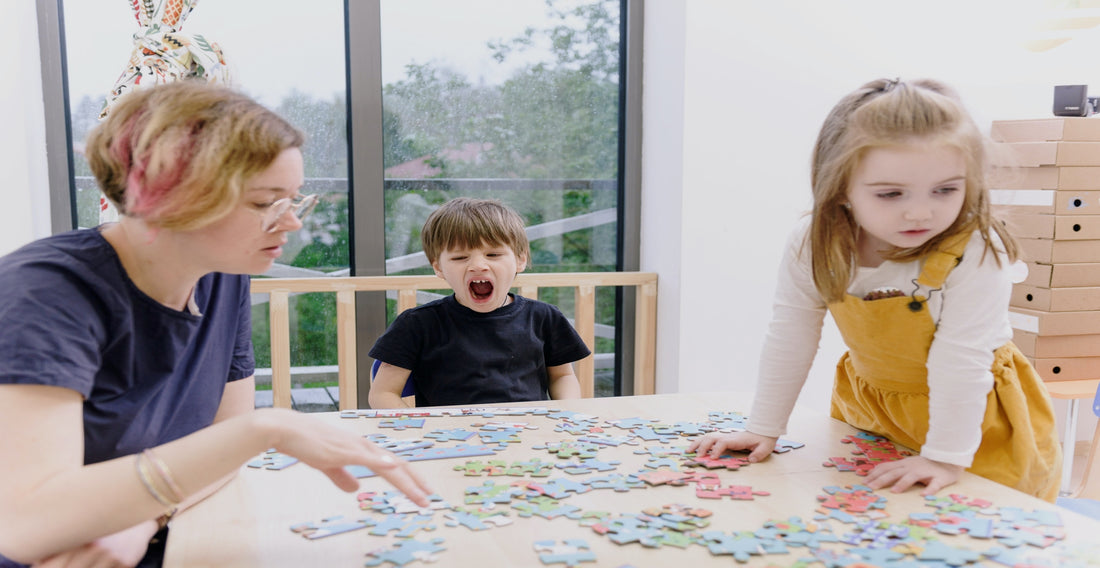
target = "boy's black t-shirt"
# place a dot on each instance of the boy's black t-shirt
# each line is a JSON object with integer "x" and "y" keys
{"x": 459, "y": 356}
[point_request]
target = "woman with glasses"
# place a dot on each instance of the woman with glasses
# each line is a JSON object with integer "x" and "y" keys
{"x": 126, "y": 365}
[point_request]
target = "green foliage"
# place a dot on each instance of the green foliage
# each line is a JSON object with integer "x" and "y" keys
{"x": 326, "y": 235}
{"x": 325, "y": 125}
{"x": 315, "y": 332}
{"x": 399, "y": 147}
{"x": 552, "y": 119}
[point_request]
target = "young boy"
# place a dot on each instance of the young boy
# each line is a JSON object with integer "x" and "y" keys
{"x": 481, "y": 344}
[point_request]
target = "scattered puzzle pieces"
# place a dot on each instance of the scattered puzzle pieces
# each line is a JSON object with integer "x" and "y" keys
{"x": 478, "y": 519}
{"x": 728, "y": 461}
{"x": 850, "y": 528}
{"x": 735, "y": 492}
{"x": 853, "y": 498}
{"x": 546, "y": 507}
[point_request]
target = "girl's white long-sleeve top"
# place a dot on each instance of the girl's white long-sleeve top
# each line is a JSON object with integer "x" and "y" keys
{"x": 971, "y": 316}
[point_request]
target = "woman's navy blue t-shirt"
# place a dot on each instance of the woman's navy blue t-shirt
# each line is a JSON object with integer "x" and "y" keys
{"x": 70, "y": 317}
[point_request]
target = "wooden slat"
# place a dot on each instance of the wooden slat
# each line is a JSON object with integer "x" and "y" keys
{"x": 645, "y": 339}
{"x": 348, "y": 381}
{"x": 529, "y": 291}
{"x": 430, "y": 282}
{"x": 584, "y": 320}
{"x": 406, "y": 299}
{"x": 280, "y": 348}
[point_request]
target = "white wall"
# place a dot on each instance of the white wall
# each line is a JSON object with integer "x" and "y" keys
{"x": 25, "y": 195}
{"x": 750, "y": 83}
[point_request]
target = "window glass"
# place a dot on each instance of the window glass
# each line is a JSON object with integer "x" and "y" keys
{"x": 289, "y": 59}
{"x": 516, "y": 100}
{"x": 518, "y": 103}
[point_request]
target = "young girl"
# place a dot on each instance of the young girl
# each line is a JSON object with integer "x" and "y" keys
{"x": 126, "y": 366}
{"x": 902, "y": 251}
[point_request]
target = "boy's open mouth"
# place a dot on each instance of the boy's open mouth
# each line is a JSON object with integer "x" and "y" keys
{"x": 481, "y": 289}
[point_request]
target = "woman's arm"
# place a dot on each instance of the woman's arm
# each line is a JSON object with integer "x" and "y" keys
{"x": 238, "y": 399}
{"x": 46, "y": 483}
{"x": 129, "y": 545}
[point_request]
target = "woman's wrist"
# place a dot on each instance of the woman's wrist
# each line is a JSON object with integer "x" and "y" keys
{"x": 270, "y": 424}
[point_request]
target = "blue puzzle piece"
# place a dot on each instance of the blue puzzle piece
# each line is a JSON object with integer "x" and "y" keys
{"x": 454, "y": 434}
{"x": 559, "y": 488}
{"x": 937, "y": 550}
{"x": 545, "y": 507}
{"x": 587, "y": 466}
{"x": 402, "y": 423}
{"x": 728, "y": 420}
{"x": 405, "y": 551}
{"x": 272, "y": 460}
{"x": 742, "y": 545}
{"x": 402, "y": 525}
{"x": 330, "y": 526}
{"x": 571, "y": 552}
{"x": 477, "y": 519}
{"x": 616, "y": 481}
{"x": 783, "y": 446}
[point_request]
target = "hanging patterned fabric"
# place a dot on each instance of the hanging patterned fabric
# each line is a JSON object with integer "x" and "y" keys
{"x": 162, "y": 54}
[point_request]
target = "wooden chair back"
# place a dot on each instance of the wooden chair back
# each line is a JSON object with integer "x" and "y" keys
{"x": 584, "y": 285}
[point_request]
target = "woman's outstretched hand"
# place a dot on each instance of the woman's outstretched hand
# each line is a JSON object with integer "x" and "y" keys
{"x": 329, "y": 449}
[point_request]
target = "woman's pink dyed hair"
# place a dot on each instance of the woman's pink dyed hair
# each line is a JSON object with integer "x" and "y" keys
{"x": 178, "y": 155}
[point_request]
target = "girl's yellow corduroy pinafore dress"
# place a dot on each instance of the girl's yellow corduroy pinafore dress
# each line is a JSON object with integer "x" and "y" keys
{"x": 882, "y": 386}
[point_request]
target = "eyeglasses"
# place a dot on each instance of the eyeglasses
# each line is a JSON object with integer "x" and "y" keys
{"x": 301, "y": 206}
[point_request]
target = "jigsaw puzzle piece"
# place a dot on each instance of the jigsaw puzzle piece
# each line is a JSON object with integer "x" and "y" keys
{"x": 330, "y": 526}
{"x": 570, "y": 552}
{"x": 405, "y": 551}
{"x": 272, "y": 460}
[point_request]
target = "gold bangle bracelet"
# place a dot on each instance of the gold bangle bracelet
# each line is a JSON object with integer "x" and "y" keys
{"x": 143, "y": 474}
{"x": 164, "y": 473}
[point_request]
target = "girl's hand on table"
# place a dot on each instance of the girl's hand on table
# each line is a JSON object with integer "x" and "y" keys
{"x": 717, "y": 443}
{"x": 902, "y": 474}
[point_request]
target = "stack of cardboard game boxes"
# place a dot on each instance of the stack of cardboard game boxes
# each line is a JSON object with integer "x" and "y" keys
{"x": 1046, "y": 187}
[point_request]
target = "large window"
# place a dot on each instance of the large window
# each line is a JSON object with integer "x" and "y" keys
{"x": 408, "y": 103}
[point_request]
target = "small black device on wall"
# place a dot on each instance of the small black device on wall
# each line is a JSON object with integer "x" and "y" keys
{"x": 1074, "y": 100}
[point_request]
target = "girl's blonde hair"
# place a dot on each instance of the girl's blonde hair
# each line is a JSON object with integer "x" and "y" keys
{"x": 890, "y": 112}
{"x": 466, "y": 222}
{"x": 178, "y": 155}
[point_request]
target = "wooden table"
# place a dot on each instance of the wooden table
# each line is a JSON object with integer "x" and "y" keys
{"x": 248, "y": 522}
